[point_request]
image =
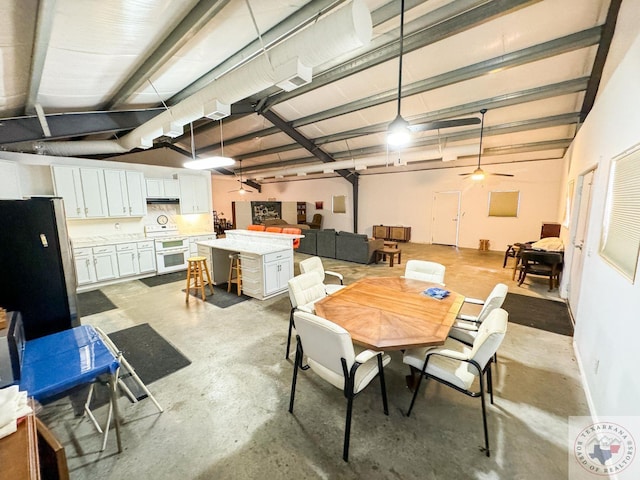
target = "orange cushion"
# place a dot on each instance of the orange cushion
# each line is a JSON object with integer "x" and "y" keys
{"x": 256, "y": 228}
{"x": 293, "y": 231}
{"x": 274, "y": 229}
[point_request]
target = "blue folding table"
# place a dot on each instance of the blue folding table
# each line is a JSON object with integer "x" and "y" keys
{"x": 51, "y": 366}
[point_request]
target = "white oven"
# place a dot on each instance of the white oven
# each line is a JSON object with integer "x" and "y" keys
{"x": 172, "y": 250}
{"x": 171, "y": 254}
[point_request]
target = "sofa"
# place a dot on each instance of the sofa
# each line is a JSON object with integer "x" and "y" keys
{"x": 359, "y": 248}
{"x": 351, "y": 247}
{"x": 279, "y": 222}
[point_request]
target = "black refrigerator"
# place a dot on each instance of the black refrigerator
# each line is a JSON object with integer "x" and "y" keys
{"x": 37, "y": 271}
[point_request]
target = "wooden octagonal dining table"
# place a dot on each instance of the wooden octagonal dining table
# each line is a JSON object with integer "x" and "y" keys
{"x": 391, "y": 313}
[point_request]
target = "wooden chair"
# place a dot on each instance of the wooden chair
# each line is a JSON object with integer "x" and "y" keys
{"x": 547, "y": 264}
{"x": 196, "y": 271}
{"x": 235, "y": 272}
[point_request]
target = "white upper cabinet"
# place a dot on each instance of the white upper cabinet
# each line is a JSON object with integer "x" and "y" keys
{"x": 9, "y": 181}
{"x": 163, "y": 188}
{"x": 194, "y": 194}
{"x": 82, "y": 189}
{"x": 125, "y": 193}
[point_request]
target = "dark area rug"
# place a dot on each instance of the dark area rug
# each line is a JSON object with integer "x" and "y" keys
{"x": 539, "y": 313}
{"x": 151, "y": 356}
{"x": 93, "y": 302}
{"x": 220, "y": 298}
{"x": 164, "y": 279}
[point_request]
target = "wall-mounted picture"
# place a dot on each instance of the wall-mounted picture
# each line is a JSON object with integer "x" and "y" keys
{"x": 261, "y": 211}
{"x": 319, "y": 206}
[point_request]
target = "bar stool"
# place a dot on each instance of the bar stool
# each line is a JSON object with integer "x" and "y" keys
{"x": 195, "y": 267}
{"x": 235, "y": 272}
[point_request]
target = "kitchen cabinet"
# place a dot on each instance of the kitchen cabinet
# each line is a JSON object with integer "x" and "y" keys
{"x": 162, "y": 188}
{"x": 127, "y": 255}
{"x": 106, "y": 263}
{"x": 125, "y": 192}
{"x": 9, "y": 181}
{"x": 146, "y": 256}
{"x": 83, "y": 190}
{"x": 85, "y": 270}
{"x": 278, "y": 269}
{"x": 193, "y": 242}
{"x": 194, "y": 194}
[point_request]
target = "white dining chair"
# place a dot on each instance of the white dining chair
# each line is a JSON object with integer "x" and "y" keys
{"x": 315, "y": 264}
{"x": 425, "y": 271}
{"x": 304, "y": 290}
{"x": 465, "y": 328}
{"x": 329, "y": 352}
{"x": 457, "y": 365}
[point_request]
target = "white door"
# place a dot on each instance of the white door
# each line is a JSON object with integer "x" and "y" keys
{"x": 446, "y": 212}
{"x": 580, "y": 220}
{"x": 115, "y": 188}
{"x": 136, "y": 194}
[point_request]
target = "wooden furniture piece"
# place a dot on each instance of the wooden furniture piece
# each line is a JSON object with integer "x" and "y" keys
{"x": 196, "y": 271}
{"x": 235, "y": 272}
{"x": 301, "y": 208}
{"x": 547, "y": 264}
{"x": 391, "y": 252}
{"x": 550, "y": 230}
{"x": 390, "y": 244}
{"x": 32, "y": 452}
{"x": 400, "y": 234}
{"x": 391, "y": 313}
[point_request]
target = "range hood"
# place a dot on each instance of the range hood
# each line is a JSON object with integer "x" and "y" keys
{"x": 162, "y": 201}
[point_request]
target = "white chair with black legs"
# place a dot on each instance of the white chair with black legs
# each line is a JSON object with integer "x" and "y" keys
{"x": 330, "y": 353}
{"x": 315, "y": 264}
{"x": 425, "y": 271}
{"x": 304, "y": 291}
{"x": 458, "y": 366}
{"x": 465, "y": 328}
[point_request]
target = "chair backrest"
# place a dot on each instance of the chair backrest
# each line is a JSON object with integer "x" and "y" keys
{"x": 294, "y": 231}
{"x": 490, "y": 335}
{"x": 312, "y": 264}
{"x": 425, "y": 271}
{"x": 16, "y": 343}
{"x": 317, "y": 219}
{"x": 324, "y": 343}
{"x": 306, "y": 288}
{"x": 273, "y": 229}
{"x": 256, "y": 228}
{"x": 493, "y": 301}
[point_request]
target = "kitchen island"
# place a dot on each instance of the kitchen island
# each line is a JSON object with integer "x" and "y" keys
{"x": 266, "y": 260}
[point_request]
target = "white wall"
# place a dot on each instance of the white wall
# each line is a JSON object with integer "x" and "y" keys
{"x": 309, "y": 191}
{"x": 405, "y": 199}
{"x": 607, "y": 316}
{"x": 36, "y": 180}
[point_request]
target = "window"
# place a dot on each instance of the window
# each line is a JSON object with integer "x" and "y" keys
{"x": 504, "y": 204}
{"x": 620, "y": 241}
{"x": 339, "y": 204}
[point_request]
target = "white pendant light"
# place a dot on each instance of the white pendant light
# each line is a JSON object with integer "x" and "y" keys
{"x": 207, "y": 163}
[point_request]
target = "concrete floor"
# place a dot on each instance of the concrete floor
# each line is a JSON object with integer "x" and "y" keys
{"x": 226, "y": 414}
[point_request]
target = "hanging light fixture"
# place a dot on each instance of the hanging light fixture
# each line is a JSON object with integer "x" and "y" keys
{"x": 241, "y": 190}
{"x": 478, "y": 174}
{"x": 398, "y": 133}
{"x": 206, "y": 163}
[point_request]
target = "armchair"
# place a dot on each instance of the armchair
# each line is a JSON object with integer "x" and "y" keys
{"x": 314, "y": 264}
{"x": 330, "y": 353}
{"x": 457, "y": 365}
{"x": 316, "y": 221}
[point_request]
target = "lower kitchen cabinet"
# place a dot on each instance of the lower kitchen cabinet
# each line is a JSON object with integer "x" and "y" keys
{"x": 85, "y": 270}
{"x": 106, "y": 263}
{"x": 146, "y": 256}
{"x": 278, "y": 269}
{"x": 128, "y": 264}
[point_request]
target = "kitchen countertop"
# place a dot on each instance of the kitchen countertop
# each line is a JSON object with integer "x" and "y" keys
{"x": 98, "y": 241}
{"x": 255, "y": 248}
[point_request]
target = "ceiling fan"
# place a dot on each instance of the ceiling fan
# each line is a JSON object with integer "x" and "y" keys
{"x": 399, "y": 130}
{"x": 241, "y": 190}
{"x": 478, "y": 173}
